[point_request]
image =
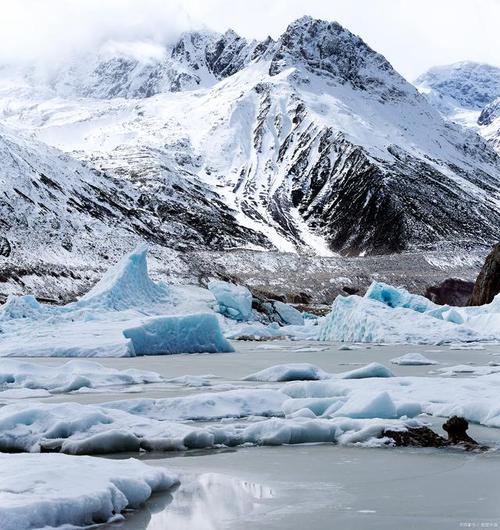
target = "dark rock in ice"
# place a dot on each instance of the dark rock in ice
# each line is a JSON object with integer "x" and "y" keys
{"x": 415, "y": 437}
{"x": 456, "y": 428}
{"x": 451, "y": 291}
{"x": 5, "y": 248}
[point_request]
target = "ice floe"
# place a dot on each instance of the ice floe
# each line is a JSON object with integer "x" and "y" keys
{"x": 54, "y": 490}
{"x": 231, "y": 404}
{"x": 310, "y": 372}
{"x": 71, "y": 376}
{"x": 234, "y": 301}
{"x": 475, "y": 399}
{"x": 413, "y": 359}
{"x": 289, "y": 372}
{"x": 467, "y": 369}
{"x": 288, "y": 314}
{"x": 346, "y": 407}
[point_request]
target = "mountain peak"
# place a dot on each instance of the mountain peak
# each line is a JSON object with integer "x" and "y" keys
{"x": 329, "y": 50}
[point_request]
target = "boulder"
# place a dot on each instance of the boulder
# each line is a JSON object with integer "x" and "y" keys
{"x": 452, "y": 291}
{"x": 488, "y": 281}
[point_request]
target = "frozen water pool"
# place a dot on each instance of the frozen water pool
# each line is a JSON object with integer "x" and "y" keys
{"x": 315, "y": 486}
{"x": 323, "y": 487}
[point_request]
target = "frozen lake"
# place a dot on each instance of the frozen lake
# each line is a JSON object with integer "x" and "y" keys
{"x": 250, "y": 357}
{"x": 325, "y": 486}
{"x": 320, "y": 486}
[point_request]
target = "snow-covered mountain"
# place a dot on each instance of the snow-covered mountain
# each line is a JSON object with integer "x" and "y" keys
{"x": 309, "y": 143}
{"x": 465, "y": 92}
{"x": 467, "y": 84}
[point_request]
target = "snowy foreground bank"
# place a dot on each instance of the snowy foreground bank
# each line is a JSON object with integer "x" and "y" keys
{"x": 128, "y": 314}
{"x": 39, "y": 491}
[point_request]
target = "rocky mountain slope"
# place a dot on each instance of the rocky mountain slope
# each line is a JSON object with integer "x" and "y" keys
{"x": 311, "y": 143}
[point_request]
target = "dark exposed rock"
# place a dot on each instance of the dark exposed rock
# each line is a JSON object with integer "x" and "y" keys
{"x": 350, "y": 290}
{"x": 488, "y": 281}
{"x": 456, "y": 428}
{"x": 489, "y": 113}
{"x": 263, "y": 295}
{"x": 451, "y": 291}
{"x": 267, "y": 310}
{"x": 415, "y": 437}
{"x": 5, "y": 248}
{"x": 298, "y": 298}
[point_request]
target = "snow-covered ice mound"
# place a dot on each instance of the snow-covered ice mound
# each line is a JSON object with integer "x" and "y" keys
{"x": 216, "y": 405}
{"x": 125, "y": 314}
{"x": 71, "y": 376}
{"x": 289, "y": 372}
{"x": 310, "y": 372}
{"x": 413, "y": 359}
{"x": 388, "y": 314}
{"x": 467, "y": 369}
{"x": 366, "y": 372}
{"x": 52, "y": 490}
{"x": 73, "y": 428}
{"x": 474, "y": 399}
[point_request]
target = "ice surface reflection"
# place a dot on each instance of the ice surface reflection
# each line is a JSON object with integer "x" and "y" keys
{"x": 206, "y": 502}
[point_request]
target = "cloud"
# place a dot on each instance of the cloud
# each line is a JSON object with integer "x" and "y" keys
{"x": 412, "y": 34}
{"x": 51, "y": 30}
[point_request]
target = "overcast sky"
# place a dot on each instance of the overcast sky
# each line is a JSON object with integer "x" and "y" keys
{"x": 412, "y": 34}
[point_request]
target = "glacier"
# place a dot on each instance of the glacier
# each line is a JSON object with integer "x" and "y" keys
{"x": 386, "y": 314}
{"x": 57, "y": 490}
{"x": 123, "y": 315}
